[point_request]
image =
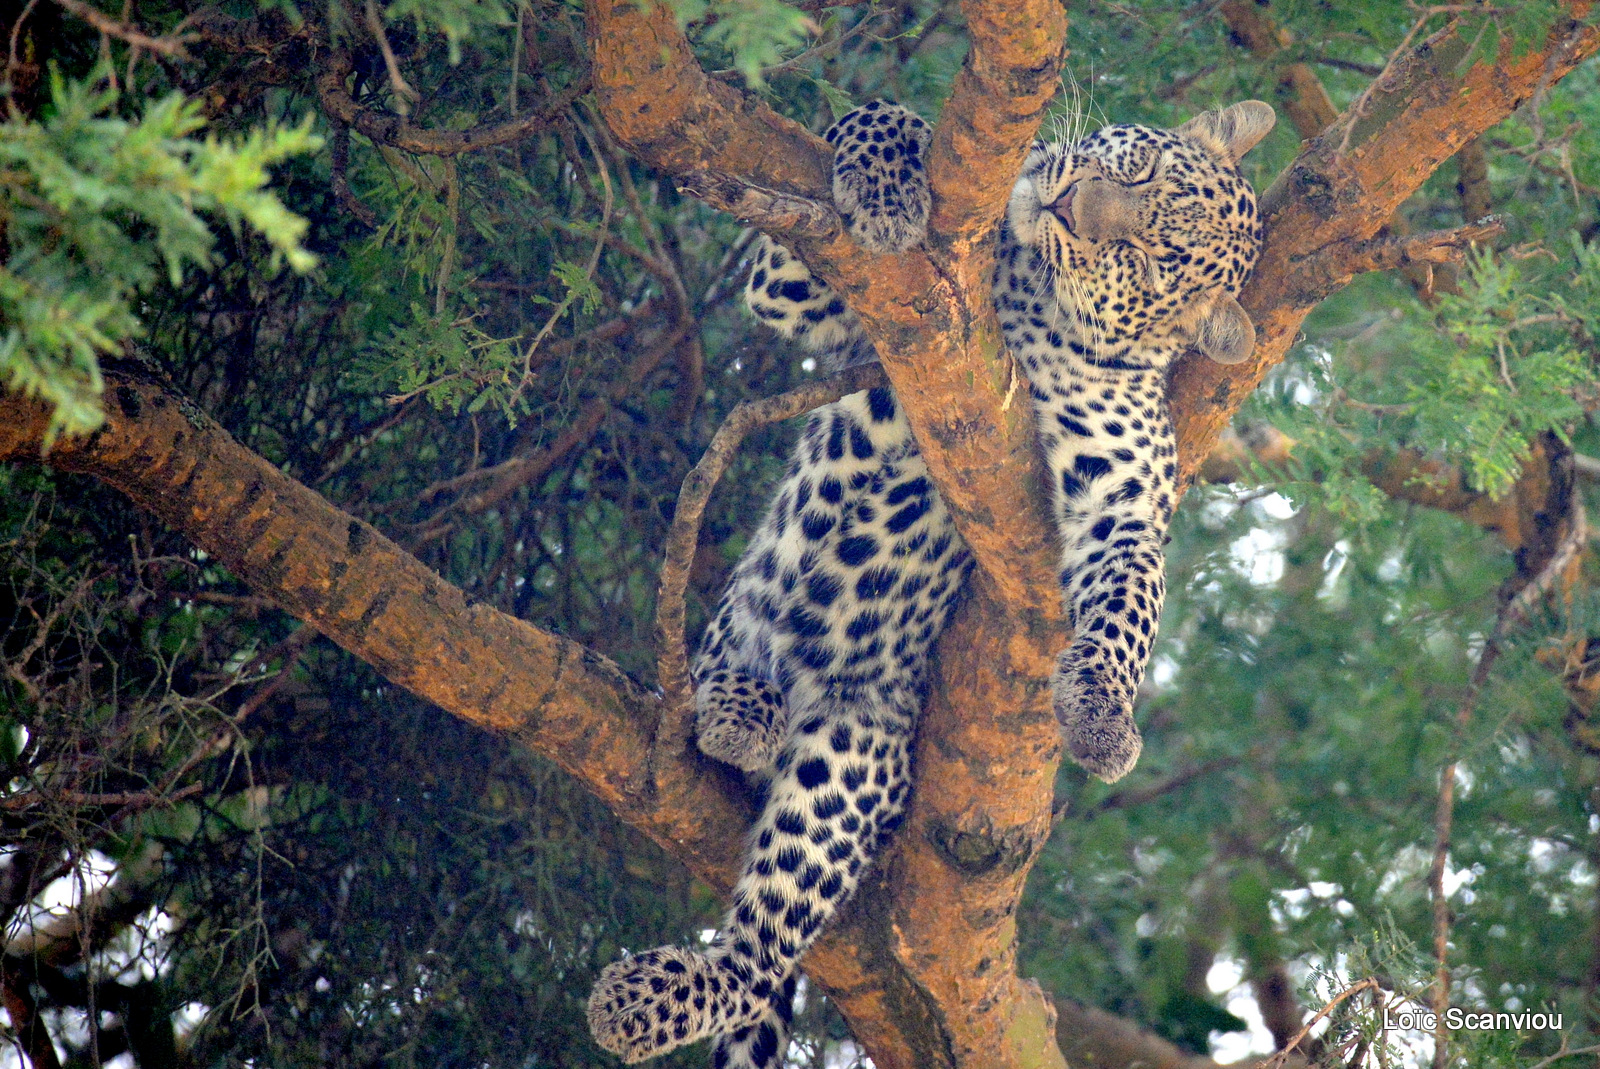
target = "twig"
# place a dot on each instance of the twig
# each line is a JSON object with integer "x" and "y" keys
{"x": 1127, "y": 799}
{"x": 339, "y": 159}
{"x": 764, "y": 209}
{"x": 672, "y": 661}
{"x": 137, "y": 799}
{"x": 589, "y": 270}
{"x": 397, "y": 131}
{"x": 16, "y": 31}
{"x": 1563, "y": 1053}
{"x": 1333, "y": 265}
{"x": 170, "y": 45}
{"x": 1277, "y": 1060}
{"x": 404, "y": 94}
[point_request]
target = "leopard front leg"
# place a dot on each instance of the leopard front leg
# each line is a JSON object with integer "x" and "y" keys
{"x": 1116, "y": 598}
{"x": 880, "y": 185}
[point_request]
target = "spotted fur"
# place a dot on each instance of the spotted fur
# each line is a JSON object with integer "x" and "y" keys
{"x": 1118, "y": 253}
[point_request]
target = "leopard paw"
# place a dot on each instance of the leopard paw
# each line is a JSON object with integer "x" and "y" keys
{"x": 1096, "y": 724}
{"x": 740, "y": 720}
{"x": 880, "y": 182}
{"x": 655, "y": 1002}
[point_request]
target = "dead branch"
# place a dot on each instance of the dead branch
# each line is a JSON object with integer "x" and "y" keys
{"x": 169, "y": 45}
{"x": 672, "y": 663}
{"x": 400, "y": 133}
{"x": 765, "y": 209}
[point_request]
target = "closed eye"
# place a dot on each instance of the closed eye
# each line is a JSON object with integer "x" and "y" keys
{"x": 1148, "y": 173}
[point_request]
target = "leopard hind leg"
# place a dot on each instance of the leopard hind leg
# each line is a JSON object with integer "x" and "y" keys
{"x": 740, "y": 719}
{"x": 761, "y": 1045}
{"x": 839, "y": 789}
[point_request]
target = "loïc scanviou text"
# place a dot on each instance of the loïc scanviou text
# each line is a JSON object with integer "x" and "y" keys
{"x": 1458, "y": 1019}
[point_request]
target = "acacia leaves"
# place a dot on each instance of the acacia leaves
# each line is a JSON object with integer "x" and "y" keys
{"x": 1473, "y": 381}
{"x": 97, "y": 208}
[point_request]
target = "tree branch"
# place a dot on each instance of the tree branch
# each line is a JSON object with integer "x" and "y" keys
{"x": 169, "y": 45}
{"x": 396, "y": 130}
{"x": 1300, "y": 91}
{"x": 383, "y": 605}
{"x": 1348, "y": 183}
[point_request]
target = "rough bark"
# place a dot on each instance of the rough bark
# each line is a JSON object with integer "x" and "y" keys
{"x": 923, "y": 964}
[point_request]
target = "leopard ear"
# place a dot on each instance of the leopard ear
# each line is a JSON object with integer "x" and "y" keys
{"x": 1234, "y": 130}
{"x": 1226, "y": 333}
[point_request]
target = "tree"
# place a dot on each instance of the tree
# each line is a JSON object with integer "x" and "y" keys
{"x": 249, "y": 420}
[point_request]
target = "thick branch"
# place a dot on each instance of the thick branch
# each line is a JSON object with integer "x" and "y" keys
{"x": 924, "y": 966}
{"x": 1331, "y": 267}
{"x": 380, "y": 603}
{"x": 1009, "y": 78}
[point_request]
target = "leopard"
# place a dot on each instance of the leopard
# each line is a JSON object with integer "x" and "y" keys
{"x": 1118, "y": 253}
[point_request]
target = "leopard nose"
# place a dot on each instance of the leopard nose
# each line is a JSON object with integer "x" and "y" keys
{"x": 1061, "y": 207}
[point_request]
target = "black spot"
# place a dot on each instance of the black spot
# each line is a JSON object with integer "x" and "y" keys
{"x": 1126, "y": 492}
{"x": 881, "y": 403}
{"x": 1102, "y": 528}
{"x": 860, "y": 444}
{"x": 814, "y": 655}
{"x": 875, "y": 583}
{"x": 829, "y": 805}
{"x": 914, "y": 487}
{"x": 806, "y": 624}
{"x": 865, "y": 624}
{"x": 836, "y": 439}
{"x": 907, "y": 516}
{"x": 815, "y": 525}
{"x": 822, "y": 588}
{"x": 831, "y": 490}
{"x": 857, "y": 550}
{"x": 1090, "y": 467}
{"x": 791, "y": 823}
{"x": 813, "y": 773}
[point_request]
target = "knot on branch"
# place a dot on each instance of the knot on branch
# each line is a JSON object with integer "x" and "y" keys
{"x": 983, "y": 849}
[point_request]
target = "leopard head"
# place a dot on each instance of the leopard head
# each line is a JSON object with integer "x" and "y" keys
{"x": 1145, "y": 234}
